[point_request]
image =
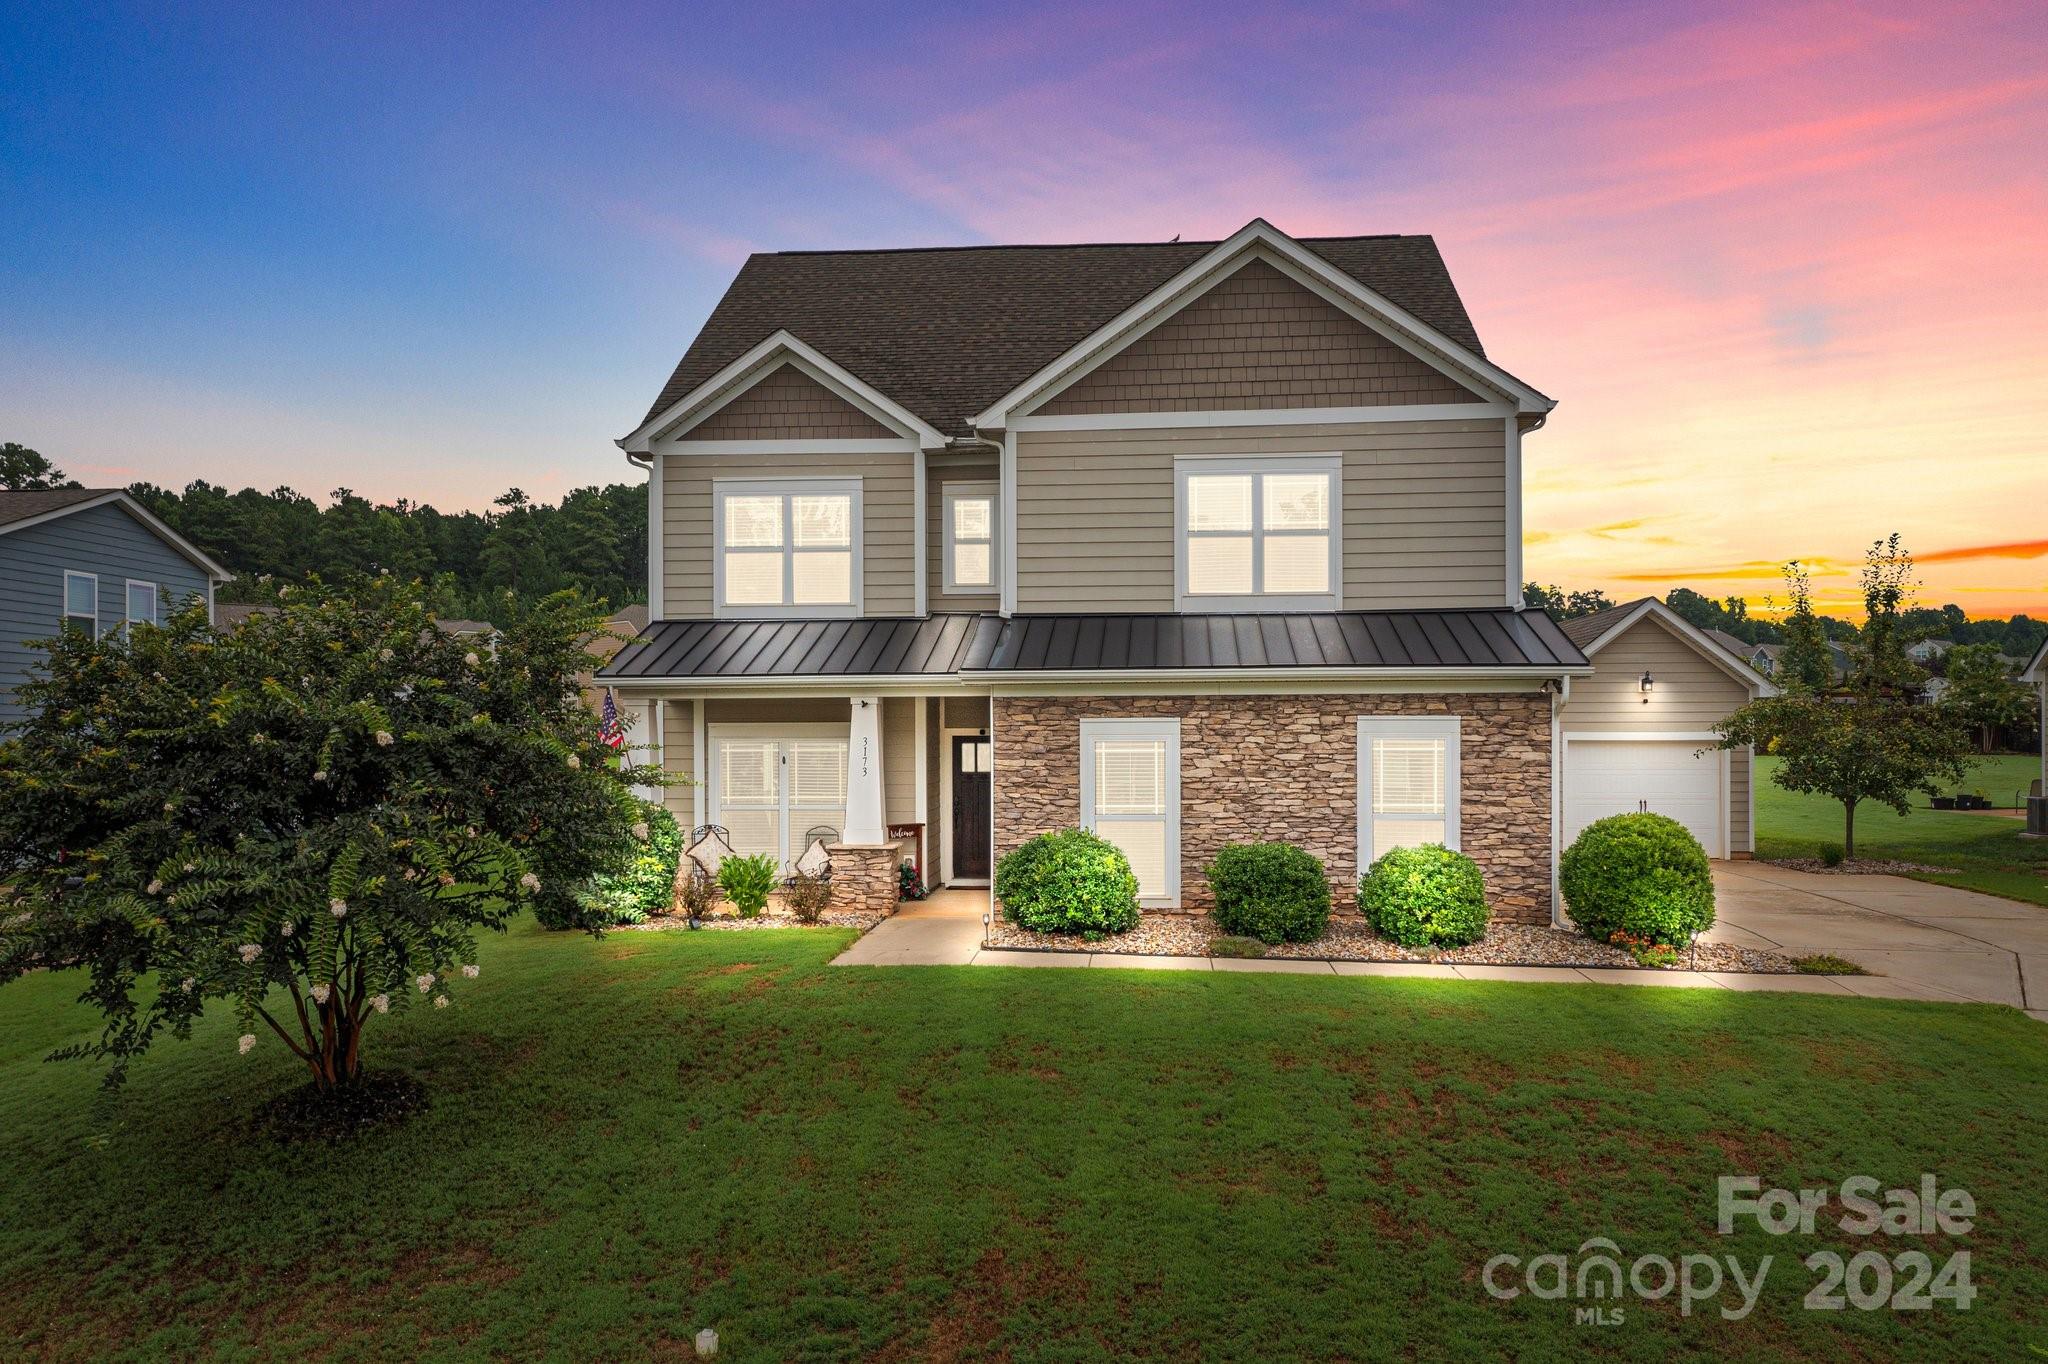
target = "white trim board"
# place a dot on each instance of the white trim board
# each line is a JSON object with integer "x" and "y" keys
{"x": 1263, "y": 416}
{"x": 783, "y": 347}
{"x": 948, "y": 733}
{"x": 779, "y": 448}
{"x": 1261, "y": 240}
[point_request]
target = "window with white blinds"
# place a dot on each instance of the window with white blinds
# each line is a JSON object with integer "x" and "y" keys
{"x": 1130, "y": 795}
{"x": 1258, "y": 532}
{"x": 970, "y": 530}
{"x": 769, "y": 792}
{"x": 1407, "y": 783}
{"x": 787, "y": 548}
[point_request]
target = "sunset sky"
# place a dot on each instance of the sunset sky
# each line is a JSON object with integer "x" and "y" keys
{"x": 1785, "y": 266}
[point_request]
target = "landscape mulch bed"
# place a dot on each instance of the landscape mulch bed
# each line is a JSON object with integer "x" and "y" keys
{"x": 729, "y": 920}
{"x": 1350, "y": 938}
{"x": 1862, "y": 866}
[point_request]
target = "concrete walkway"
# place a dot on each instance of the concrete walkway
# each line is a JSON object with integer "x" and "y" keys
{"x": 1924, "y": 941}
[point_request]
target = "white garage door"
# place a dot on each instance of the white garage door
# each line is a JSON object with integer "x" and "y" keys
{"x": 1612, "y": 777}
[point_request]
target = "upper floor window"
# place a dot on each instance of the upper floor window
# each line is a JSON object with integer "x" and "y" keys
{"x": 1258, "y": 533}
{"x": 970, "y": 511}
{"x": 142, "y": 603}
{"x": 788, "y": 547}
{"x": 82, "y": 602}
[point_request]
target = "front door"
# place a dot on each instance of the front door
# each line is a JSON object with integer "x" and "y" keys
{"x": 972, "y": 772}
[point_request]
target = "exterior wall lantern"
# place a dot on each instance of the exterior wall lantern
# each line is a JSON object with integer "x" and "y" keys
{"x": 1647, "y": 683}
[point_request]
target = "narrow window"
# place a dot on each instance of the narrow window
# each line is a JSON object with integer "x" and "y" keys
{"x": 970, "y": 517}
{"x": 141, "y": 603}
{"x": 790, "y": 550}
{"x": 1407, "y": 784}
{"x": 1258, "y": 533}
{"x": 82, "y": 602}
{"x": 1130, "y": 795}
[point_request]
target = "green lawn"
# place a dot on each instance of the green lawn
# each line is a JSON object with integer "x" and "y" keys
{"x": 1986, "y": 850}
{"x": 634, "y": 1138}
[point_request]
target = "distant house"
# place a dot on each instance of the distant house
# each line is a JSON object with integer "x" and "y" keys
{"x": 1764, "y": 658}
{"x": 89, "y": 559}
{"x": 1926, "y": 651}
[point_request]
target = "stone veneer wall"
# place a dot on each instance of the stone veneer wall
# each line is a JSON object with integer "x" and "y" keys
{"x": 865, "y": 878}
{"x": 1257, "y": 768}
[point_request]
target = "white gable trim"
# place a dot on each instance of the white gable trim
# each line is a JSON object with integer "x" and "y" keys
{"x": 2037, "y": 671}
{"x": 783, "y": 348}
{"x": 1756, "y": 682}
{"x": 1261, "y": 416}
{"x": 140, "y": 513}
{"x": 1259, "y": 239}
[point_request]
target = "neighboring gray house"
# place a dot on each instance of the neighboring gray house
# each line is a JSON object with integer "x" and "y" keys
{"x": 89, "y": 557}
{"x": 1188, "y": 543}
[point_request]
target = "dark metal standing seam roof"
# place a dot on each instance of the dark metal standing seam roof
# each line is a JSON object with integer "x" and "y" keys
{"x": 949, "y": 645}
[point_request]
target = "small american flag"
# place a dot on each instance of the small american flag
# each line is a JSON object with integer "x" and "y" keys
{"x": 609, "y": 729}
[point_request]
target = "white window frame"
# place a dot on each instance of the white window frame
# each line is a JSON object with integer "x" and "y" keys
{"x": 1257, "y": 467}
{"x": 788, "y": 813}
{"x": 954, "y": 492}
{"x": 787, "y": 489}
{"x": 156, "y": 603}
{"x": 65, "y": 617}
{"x": 1445, "y": 727}
{"x": 1151, "y": 730}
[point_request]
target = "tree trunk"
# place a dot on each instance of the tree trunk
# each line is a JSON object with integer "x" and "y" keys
{"x": 1848, "y": 830}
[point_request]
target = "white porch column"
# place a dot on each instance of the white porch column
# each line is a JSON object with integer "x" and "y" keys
{"x": 864, "y": 773}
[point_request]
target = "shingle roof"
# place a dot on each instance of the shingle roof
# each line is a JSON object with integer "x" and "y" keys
{"x": 951, "y": 644}
{"x": 947, "y": 331}
{"x": 1583, "y": 630}
{"x": 23, "y": 505}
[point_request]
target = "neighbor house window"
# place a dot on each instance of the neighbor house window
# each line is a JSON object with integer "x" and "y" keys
{"x": 141, "y": 603}
{"x": 970, "y": 511}
{"x": 82, "y": 602}
{"x": 1258, "y": 533}
{"x": 1407, "y": 783}
{"x": 1130, "y": 795}
{"x": 787, "y": 548}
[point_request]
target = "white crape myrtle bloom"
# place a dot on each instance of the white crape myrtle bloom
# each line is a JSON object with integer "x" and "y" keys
{"x": 155, "y": 887}
{"x": 640, "y": 831}
{"x": 384, "y": 739}
{"x": 574, "y": 762}
{"x": 385, "y": 655}
{"x": 321, "y": 775}
{"x": 285, "y": 928}
{"x": 425, "y": 982}
{"x": 530, "y": 881}
{"x": 381, "y": 1003}
{"x": 248, "y": 1041}
{"x": 250, "y": 951}
{"x": 470, "y": 971}
{"x": 471, "y": 659}
{"x": 185, "y": 985}
{"x": 189, "y": 866}
{"x": 447, "y": 878}
{"x": 440, "y": 1001}
{"x": 337, "y": 907}
{"x": 320, "y": 993}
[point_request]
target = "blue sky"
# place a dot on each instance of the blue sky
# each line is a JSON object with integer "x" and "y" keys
{"x": 1773, "y": 258}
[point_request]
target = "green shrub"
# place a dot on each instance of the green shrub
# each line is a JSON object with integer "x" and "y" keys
{"x": 747, "y": 882}
{"x": 1236, "y": 947}
{"x": 1068, "y": 882}
{"x": 644, "y": 886}
{"x": 1426, "y": 896}
{"x": 1827, "y": 964}
{"x": 1831, "y": 854}
{"x": 1643, "y": 875}
{"x": 1274, "y": 892}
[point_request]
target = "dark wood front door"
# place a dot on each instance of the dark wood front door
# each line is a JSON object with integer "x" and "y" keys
{"x": 972, "y": 768}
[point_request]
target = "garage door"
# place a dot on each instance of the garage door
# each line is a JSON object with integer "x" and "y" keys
{"x": 1681, "y": 780}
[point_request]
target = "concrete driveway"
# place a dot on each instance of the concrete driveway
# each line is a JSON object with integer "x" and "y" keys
{"x": 1925, "y": 941}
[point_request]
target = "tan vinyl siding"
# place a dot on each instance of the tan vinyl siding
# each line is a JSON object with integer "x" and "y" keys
{"x": 789, "y": 405}
{"x": 1689, "y": 693}
{"x": 679, "y": 759}
{"x": 1424, "y": 511}
{"x": 888, "y": 529}
{"x": 1256, "y": 340}
{"x": 939, "y": 471}
{"x": 899, "y": 759}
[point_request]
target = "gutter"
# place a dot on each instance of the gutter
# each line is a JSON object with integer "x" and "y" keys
{"x": 983, "y": 677}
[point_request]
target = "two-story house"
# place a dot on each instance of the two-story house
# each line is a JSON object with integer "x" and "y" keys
{"x": 87, "y": 559}
{"x": 1189, "y": 543}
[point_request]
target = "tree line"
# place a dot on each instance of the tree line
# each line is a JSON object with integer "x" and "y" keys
{"x": 475, "y": 565}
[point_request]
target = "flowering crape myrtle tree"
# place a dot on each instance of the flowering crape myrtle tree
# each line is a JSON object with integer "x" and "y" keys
{"x": 307, "y": 818}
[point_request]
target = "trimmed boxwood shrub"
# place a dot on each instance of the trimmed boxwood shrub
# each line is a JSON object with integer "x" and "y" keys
{"x": 1425, "y": 896}
{"x": 1068, "y": 882}
{"x": 1642, "y": 875}
{"x": 1274, "y": 892}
